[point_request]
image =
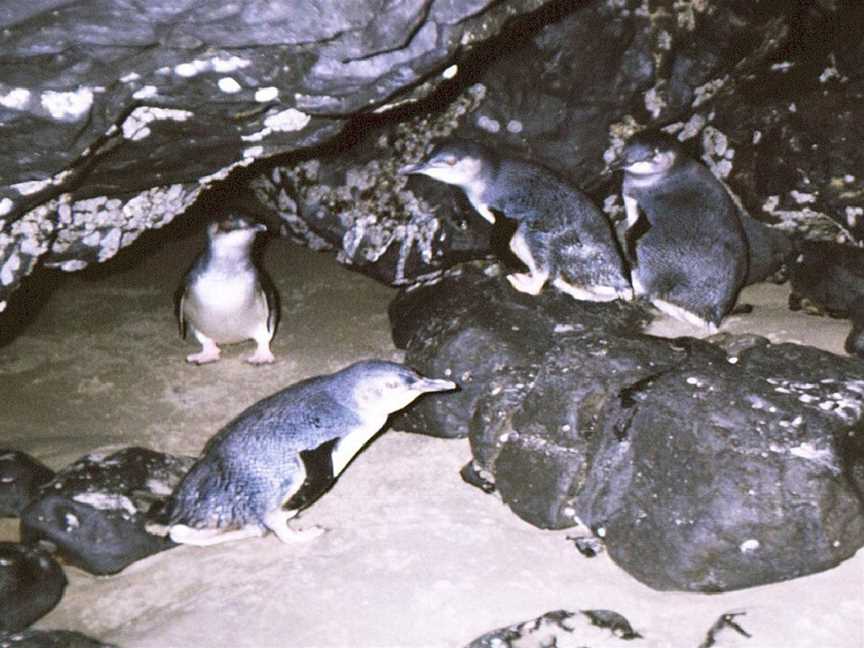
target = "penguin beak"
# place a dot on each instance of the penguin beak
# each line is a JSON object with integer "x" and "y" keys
{"x": 408, "y": 169}
{"x": 424, "y": 385}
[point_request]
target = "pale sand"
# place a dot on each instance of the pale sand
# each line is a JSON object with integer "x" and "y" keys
{"x": 414, "y": 557}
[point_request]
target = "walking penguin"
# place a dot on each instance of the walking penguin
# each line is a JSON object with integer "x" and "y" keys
{"x": 562, "y": 237}
{"x": 284, "y": 452}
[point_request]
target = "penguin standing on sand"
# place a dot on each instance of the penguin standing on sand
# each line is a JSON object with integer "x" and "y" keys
{"x": 224, "y": 298}
{"x": 685, "y": 241}
{"x": 284, "y": 452}
{"x": 562, "y": 237}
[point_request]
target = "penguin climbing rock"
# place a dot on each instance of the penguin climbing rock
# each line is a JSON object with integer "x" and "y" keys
{"x": 684, "y": 239}
{"x": 284, "y": 452}
{"x": 562, "y": 237}
{"x": 225, "y": 298}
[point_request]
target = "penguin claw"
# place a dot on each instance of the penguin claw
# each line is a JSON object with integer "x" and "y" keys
{"x": 289, "y": 535}
{"x": 202, "y": 358}
{"x": 261, "y": 356}
{"x": 525, "y": 283}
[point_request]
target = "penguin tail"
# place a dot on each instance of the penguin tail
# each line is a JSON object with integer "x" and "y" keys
{"x": 157, "y": 519}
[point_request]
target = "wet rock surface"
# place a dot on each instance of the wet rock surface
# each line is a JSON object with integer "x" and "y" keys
{"x": 94, "y": 510}
{"x": 99, "y": 99}
{"x": 472, "y": 327}
{"x": 31, "y": 584}
{"x": 730, "y": 463}
{"x": 20, "y": 478}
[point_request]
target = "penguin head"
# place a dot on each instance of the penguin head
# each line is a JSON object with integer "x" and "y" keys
{"x": 234, "y": 231}
{"x": 382, "y": 387}
{"x": 650, "y": 153}
{"x": 456, "y": 162}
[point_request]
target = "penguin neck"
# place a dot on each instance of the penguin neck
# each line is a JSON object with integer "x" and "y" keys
{"x": 477, "y": 189}
{"x": 234, "y": 256}
{"x": 647, "y": 180}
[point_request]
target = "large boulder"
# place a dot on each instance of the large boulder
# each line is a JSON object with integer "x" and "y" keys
{"x": 733, "y": 475}
{"x": 703, "y": 465}
{"x": 115, "y": 117}
{"x": 94, "y": 510}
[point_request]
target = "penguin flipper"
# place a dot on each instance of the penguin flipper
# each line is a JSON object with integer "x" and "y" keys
{"x": 318, "y": 463}
{"x": 179, "y": 298}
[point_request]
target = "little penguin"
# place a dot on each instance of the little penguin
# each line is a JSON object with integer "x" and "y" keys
{"x": 283, "y": 452}
{"x": 224, "y": 298}
{"x": 686, "y": 244}
{"x": 561, "y": 236}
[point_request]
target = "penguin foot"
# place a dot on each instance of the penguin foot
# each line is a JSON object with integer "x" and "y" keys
{"x": 204, "y": 356}
{"x": 182, "y": 534}
{"x": 527, "y": 283}
{"x": 289, "y": 535}
{"x": 277, "y": 522}
{"x": 591, "y": 293}
{"x": 682, "y": 314}
{"x": 262, "y": 355}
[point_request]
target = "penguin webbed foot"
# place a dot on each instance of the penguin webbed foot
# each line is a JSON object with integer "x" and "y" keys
{"x": 262, "y": 355}
{"x": 526, "y": 283}
{"x": 203, "y": 357}
{"x": 183, "y": 534}
{"x": 278, "y": 522}
{"x": 289, "y": 535}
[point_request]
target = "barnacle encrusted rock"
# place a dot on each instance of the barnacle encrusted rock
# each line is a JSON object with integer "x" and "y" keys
{"x": 94, "y": 510}
{"x": 377, "y": 220}
{"x": 124, "y": 104}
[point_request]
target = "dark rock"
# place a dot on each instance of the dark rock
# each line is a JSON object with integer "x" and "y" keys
{"x": 20, "y": 478}
{"x": 94, "y": 510}
{"x": 830, "y": 277}
{"x": 50, "y": 639}
{"x": 561, "y": 628}
{"x": 733, "y": 475}
{"x": 724, "y": 626}
{"x": 588, "y": 546}
{"x": 31, "y": 584}
{"x": 96, "y": 98}
{"x": 471, "y": 327}
{"x": 731, "y": 462}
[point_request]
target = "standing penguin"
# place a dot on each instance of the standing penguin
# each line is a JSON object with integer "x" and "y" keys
{"x": 285, "y": 451}
{"x": 684, "y": 237}
{"x": 224, "y": 298}
{"x": 562, "y": 237}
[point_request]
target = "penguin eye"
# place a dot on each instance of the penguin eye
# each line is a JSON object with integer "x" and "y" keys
{"x": 450, "y": 160}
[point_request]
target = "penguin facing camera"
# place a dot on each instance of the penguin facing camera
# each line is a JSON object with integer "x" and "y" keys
{"x": 562, "y": 237}
{"x": 685, "y": 242}
{"x": 282, "y": 453}
{"x": 225, "y": 298}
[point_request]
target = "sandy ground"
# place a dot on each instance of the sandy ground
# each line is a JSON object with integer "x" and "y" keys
{"x": 413, "y": 556}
